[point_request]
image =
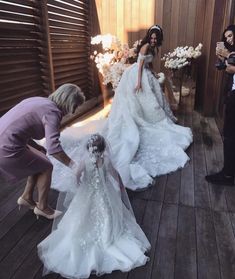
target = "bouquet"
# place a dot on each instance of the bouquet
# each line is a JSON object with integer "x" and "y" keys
{"x": 181, "y": 56}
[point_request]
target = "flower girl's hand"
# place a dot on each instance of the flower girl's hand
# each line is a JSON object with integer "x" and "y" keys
{"x": 77, "y": 170}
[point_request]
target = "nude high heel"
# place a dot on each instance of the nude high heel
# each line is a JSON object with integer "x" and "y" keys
{"x": 22, "y": 202}
{"x": 38, "y": 212}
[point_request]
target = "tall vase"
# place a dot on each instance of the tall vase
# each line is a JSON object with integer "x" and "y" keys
{"x": 106, "y": 90}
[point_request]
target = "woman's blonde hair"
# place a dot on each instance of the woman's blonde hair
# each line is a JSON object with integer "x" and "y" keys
{"x": 68, "y": 97}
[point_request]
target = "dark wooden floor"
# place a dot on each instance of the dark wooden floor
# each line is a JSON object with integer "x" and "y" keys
{"x": 190, "y": 223}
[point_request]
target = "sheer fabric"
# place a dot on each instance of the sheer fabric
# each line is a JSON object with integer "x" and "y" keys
{"x": 98, "y": 232}
{"x": 141, "y": 130}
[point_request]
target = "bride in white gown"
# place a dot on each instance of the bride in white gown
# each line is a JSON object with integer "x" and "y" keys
{"x": 98, "y": 232}
{"x": 140, "y": 128}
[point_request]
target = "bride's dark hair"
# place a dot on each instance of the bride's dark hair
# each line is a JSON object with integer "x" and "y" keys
{"x": 97, "y": 143}
{"x": 159, "y": 34}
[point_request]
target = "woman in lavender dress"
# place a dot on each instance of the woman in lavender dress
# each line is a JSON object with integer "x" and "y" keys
{"x": 36, "y": 118}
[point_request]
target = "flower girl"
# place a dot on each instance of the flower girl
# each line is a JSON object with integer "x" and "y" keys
{"x": 98, "y": 232}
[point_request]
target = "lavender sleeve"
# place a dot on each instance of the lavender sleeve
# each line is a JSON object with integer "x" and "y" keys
{"x": 52, "y": 132}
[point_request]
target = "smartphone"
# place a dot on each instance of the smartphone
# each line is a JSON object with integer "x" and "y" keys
{"x": 220, "y": 45}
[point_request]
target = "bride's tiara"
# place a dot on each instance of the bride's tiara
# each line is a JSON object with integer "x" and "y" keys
{"x": 155, "y": 27}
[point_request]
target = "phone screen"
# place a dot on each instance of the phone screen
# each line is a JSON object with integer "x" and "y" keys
{"x": 220, "y": 44}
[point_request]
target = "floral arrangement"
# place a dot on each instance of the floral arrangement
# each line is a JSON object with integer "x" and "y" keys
{"x": 114, "y": 57}
{"x": 181, "y": 56}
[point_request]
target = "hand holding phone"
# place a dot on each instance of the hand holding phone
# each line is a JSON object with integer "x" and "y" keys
{"x": 220, "y": 45}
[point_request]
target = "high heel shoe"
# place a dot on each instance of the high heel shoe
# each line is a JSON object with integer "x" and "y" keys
{"x": 21, "y": 201}
{"x": 38, "y": 212}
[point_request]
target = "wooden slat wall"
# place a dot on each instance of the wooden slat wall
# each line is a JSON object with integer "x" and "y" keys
{"x": 127, "y": 19}
{"x": 185, "y": 22}
{"x": 20, "y": 36}
{"x": 44, "y": 44}
{"x": 69, "y": 37}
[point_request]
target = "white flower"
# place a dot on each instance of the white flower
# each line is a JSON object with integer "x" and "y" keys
{"x": 181, "y": 56}
{"x": 114, "y": 59}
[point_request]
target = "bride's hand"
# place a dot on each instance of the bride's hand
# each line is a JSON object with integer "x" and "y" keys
{"x": 138, "y": 88}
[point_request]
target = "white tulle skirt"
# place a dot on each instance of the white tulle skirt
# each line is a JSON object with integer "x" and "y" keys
{"x": 98, "y": 232}
{"x": 141, "y": 131}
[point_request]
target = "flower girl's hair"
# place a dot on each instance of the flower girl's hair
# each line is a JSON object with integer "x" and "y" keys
{"x": 96, "y": 145}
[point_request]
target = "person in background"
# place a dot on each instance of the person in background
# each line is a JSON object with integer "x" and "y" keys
{"x": 224, "y": 51}
{"x": 33, "y": 119}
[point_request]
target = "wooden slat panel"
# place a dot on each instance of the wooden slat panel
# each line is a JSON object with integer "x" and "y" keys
{"x": 174, "y": 26}
{"x": 18, "y": 17}
{"x": 135, "y": 21}
{"x": 67, "y": 13}
{"x": 20, "y": 68}
{"x": 74, "y": 8}
{"x": 28, "y": 3}
{"x": 191, "y": 23}
{"x": 20, "y": 34}
{"x": 30, "y": 43}
{"x": 143, "y": 18}
{"x": 64, "y": 18}
{"x": 20, "y": 86}
{"x": 17, "y": 63}
{"x": 17, "y": 27}
{"x": 67, "y": 25}
{"x": 17, "y": 9}
{"x": 33, "y": 74}
{"x": 75, "y": 61}
{"x": 183, "y": 22}
{"x": 80, "y": 73}
{"x": 68, "y": 68}
{"x": 167, "y": 24}
{"x": 16, "y": 58}
{"x": 19, "y": 44}
{"x": 62, "y": 56}
{"x": 72, "y": 51}
{"x": 84, "y": 82}
{"x": 61, "y": 37}
{"x": 76, "y": 80}
{"x": 66, "y": 31}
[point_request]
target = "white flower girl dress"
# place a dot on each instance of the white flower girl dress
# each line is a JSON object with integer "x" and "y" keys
{"x": 98, "y": 232}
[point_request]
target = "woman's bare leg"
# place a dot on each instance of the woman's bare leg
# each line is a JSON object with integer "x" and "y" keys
{"x": 29, "y": 188}
{"x": 43, "y": 185}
